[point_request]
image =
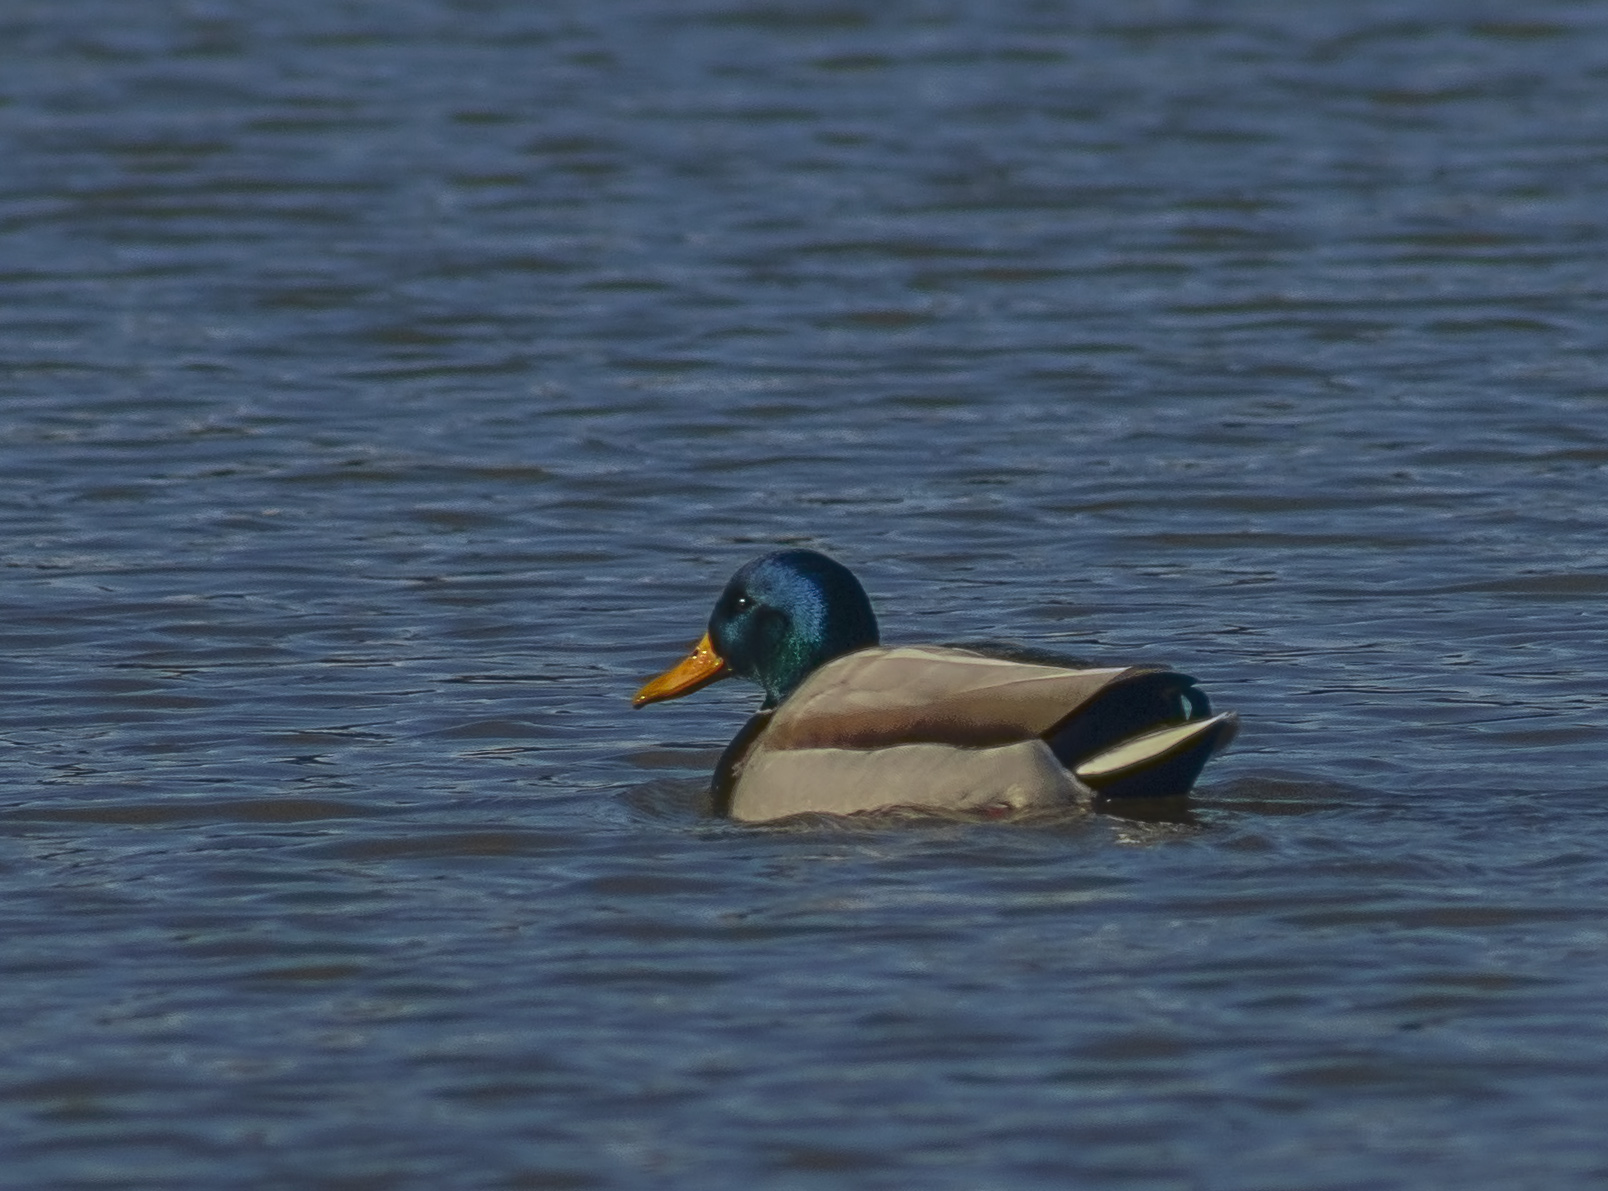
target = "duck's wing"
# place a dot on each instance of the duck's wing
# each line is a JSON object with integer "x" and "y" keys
{"x": 879, "y": 698}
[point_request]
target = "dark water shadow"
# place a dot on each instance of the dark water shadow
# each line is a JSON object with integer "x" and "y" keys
{"x": 198, "y": 810}
{"x": 1281, "y": 793}
{"x": 672, "y": 800}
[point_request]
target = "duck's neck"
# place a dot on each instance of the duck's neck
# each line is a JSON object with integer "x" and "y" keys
{"x": 810, "y": 646}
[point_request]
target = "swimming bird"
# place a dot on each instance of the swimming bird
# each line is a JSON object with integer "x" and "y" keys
{"x": 850, "y": 725}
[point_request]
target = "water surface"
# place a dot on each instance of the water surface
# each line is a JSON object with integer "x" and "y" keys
{"x": 389, "y": 388}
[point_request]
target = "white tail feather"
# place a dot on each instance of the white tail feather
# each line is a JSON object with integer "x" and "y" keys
{"x": 1139, "y": 751}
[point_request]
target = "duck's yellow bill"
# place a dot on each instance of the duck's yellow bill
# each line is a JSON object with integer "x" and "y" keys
{"x": 693, "y": 672}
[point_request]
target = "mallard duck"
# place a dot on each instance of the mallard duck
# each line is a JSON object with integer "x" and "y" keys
{"x": 849, "y": 725}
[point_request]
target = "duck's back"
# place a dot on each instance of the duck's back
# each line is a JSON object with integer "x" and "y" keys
{"x": 926, "y": 693}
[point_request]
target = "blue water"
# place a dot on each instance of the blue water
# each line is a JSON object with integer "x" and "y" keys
{"x": 389, "y": 388}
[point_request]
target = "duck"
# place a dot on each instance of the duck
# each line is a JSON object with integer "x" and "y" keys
{"x": 851, "y": 726}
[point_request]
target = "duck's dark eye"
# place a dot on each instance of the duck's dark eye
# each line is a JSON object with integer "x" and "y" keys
{"x": 742, "y": 604}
